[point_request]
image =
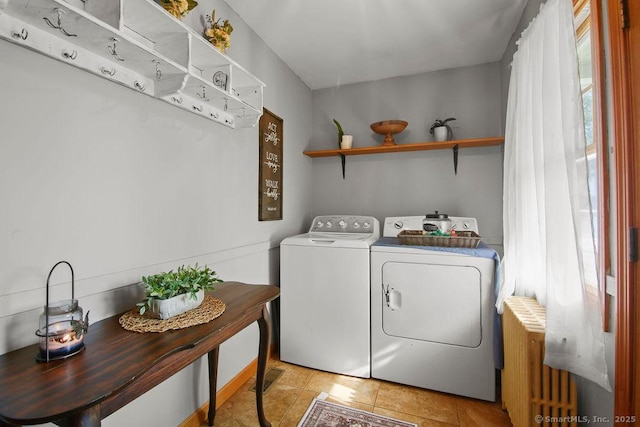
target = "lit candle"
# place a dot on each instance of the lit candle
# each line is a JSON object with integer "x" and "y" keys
{"x": 61, "y": 341}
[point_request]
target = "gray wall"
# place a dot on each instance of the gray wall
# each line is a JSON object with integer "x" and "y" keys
{"x": 593, "y": 401}
{"x": 122, "y": 185}
{"x": 413, "y": 183}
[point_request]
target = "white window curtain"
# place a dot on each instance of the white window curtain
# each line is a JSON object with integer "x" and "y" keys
{"x": 549, "y": 246}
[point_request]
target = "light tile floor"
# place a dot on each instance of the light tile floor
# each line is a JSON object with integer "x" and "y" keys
{"x": 286, "y": 401}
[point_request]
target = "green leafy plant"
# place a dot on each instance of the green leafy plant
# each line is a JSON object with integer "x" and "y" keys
{"x": 438, "y": 123}
{"x": 340, "y": 132}
{"x": 186, "y": 280}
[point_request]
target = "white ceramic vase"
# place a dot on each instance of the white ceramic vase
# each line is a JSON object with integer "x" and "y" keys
{"x": 166, "y": 308}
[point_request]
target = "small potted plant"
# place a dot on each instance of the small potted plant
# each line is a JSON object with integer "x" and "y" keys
{"x": 344, "y": 141}
{"x": 178, "y": 8}
{"x": 441, "y": 130}
{"x": 174, "y": 292}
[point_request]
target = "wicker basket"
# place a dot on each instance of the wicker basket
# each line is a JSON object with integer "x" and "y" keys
{"x": 462, "y": 239}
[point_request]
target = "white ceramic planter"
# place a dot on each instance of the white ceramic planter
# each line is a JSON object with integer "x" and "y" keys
{"x": 441, "y": 133}
{"x": 346, "y": 142}
{"x": 166, "y": 308}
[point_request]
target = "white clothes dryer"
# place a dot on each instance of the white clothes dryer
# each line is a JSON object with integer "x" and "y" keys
{"x": 324, "y": 295}
{"x": 432, "y": 312}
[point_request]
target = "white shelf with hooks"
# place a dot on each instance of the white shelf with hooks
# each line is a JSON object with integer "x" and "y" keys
{"x": 137, "y": 44}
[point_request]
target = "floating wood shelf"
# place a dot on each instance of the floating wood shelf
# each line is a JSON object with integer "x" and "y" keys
{"x": 418, "y": 146}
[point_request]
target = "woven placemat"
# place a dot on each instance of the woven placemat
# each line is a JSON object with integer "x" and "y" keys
{"x": 207, "y": 311}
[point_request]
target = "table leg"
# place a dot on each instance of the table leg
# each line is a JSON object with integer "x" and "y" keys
{"x": 213, "y": 383}
{"x": 88, "y": 418}
{"x": 263, "y": 354}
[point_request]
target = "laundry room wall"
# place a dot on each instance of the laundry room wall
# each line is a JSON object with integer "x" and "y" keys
{"x": 418, "y": 182}
{"x": 123, "y": 185}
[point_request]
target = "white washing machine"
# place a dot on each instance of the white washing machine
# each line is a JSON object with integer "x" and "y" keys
{"x": 432, "y": 312}
{"x": 324, "y": 295}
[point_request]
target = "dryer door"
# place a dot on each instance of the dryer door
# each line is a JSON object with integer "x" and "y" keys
{"x": 432, "y": 302}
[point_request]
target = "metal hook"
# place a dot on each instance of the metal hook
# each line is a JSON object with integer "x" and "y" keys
{"x": 67, "y": 34}
{"x": 204, "y": 94}
{"x": 112, "y": 49}
{"x": 158, "y": 72}
{"x": 197, "y": 108}
{"x": 226, "y": 106}
{"x": 58, "y": 26}
{"x": 51, "y": 24}
{"x": 106, "y": 71}
{"x": 140, "y": 86}
{"x": 177, "y": 100}
{"x": 215, "y": 115}
{"x": 73, "y": 55}
{"x": 20, "y": 35}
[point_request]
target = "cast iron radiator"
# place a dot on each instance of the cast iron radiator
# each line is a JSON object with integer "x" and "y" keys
{"x": 534, "y": 394}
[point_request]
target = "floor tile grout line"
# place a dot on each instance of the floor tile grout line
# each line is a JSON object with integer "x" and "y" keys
{"x": 375, "y": 401}
{"x": 290, "y": 407}
{"x": 313, "y": 374}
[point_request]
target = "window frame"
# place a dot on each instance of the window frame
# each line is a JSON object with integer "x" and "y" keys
{"x": 593, "y": 24}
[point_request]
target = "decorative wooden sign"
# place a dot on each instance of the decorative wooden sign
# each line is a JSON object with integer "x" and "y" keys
{"x": 270, "y": 167}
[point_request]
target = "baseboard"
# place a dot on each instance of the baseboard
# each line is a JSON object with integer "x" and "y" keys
{"x": 199, "y": 417}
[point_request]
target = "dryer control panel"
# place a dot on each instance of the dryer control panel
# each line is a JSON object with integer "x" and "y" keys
{"x": 395, "y": 224}
{"x": 345, "y": 224}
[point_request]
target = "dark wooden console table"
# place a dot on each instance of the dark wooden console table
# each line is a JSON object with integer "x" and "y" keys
{"x": 117, "y": 365}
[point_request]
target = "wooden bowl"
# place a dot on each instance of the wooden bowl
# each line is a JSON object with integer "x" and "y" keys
{"x": 388, "y": 128}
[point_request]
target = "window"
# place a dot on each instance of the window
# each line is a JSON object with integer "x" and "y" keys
{"x": 583, "y": 30}
{"x": 587, "y": 24}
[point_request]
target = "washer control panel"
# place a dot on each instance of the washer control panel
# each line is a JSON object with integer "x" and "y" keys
{"x": 344, "y": 224}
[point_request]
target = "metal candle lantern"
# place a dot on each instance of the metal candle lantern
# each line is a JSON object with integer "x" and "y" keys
{"x": 61, "y": 329}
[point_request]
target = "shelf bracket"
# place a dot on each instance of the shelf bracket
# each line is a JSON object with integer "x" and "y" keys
{"x": 455, "y": 159}
{"x": 343, "y": 158}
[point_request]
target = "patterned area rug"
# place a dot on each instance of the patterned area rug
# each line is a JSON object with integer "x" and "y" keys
{"x": 327, "y": 414}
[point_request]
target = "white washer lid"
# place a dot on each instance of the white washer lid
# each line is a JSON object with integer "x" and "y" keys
{"x": 331, "y": 240}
